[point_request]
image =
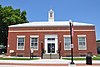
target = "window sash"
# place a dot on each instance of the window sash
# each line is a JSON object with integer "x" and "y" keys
{"x": 82, "y": 43}
{"x": 20, "y": 47}
{"x": 34, "y": 43}
{"x": 67, "y": 43}
{"x": 20, "y": 43}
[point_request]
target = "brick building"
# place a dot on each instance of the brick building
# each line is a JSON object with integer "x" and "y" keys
{"x": 53, "y": 37}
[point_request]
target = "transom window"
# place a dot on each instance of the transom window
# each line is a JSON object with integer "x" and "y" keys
{"x": 34, "y": 43}
{"x": 82, "y": 43}
{"x": 67, "y": 43}
{"x": 20, "y": 43}
{"x": 50, "y": 39}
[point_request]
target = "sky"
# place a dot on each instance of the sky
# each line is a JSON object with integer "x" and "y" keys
{"x": 85, "y": 11}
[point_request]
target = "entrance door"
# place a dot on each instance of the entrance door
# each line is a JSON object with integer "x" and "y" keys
{"x": 51, "y": 48}
{"x": 51, "y": 44}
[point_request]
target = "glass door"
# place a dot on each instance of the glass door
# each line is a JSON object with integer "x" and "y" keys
{"x": 51, "y": 48}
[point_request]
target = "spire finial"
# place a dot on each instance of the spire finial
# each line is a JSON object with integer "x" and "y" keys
{"x": 70, "y": 20}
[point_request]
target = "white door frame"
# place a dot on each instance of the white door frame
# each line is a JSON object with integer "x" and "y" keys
{"x": 55, "y": 41}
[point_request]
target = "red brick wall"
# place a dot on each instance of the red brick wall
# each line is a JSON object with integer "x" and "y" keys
{"x": 90, "y": 39}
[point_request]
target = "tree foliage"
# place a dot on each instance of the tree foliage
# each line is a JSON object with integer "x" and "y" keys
{"x": 9, "y": 16}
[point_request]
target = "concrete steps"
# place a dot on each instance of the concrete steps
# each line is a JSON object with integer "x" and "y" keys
{"x": 52, "y": 56}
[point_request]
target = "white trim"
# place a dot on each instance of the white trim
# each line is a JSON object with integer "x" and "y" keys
{"x": 81, "y": 35}
{"x": 66, "y": 35}
{"x": 45, "y": 30}
{"x": 51, "y": 36}
{"x": 21, "y": 36}
{"x": 46, "y": 24}
{"x": 83, "y": 30}
{"x": 85, "y": 42}
{"x": 35, "y": 36}
{"x": 17, "y": 42}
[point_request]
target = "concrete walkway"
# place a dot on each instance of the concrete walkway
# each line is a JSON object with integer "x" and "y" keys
{"x": 46, "y": 63}
{"x": 43, "y": 66}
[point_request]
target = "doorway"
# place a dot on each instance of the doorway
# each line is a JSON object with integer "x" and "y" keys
{"x": 51, "y": 44}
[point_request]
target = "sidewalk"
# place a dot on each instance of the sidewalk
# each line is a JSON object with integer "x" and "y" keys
{"x": 43, "y": 66}
{"x": 46, "y": 63}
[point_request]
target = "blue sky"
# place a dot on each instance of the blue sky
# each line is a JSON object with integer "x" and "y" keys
{"x": 86, "y": 11}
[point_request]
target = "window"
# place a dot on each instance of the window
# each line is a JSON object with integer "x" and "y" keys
{"x": 20, "y": 43}
{"x": 51, "y": 39}
{"x": 50, "y": 14}
{"x": 67, "y": 42}
{"x": 82, "y": 42}
{"x": 34, "y": 43}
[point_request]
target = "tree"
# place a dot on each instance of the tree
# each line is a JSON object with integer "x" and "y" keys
{"x": 9, "y": 16}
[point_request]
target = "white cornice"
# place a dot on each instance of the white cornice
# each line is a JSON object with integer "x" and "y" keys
{"x": 46, "y": 24}
{"x": 46, "y": 30}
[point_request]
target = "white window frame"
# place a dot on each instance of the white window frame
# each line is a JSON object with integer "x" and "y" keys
{"x": 64, "y": 42}
{"x": 34, "y": 36}
{"x": 85, "y": 47}
{"x": 21, "y": 36}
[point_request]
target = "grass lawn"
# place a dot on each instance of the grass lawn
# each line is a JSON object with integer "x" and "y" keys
{"x": 94, "y": 58}
{"x": 18, "y": 59}
{"x": 74, "y": 58}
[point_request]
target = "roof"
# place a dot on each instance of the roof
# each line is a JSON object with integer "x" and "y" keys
{"x": 55, "y": 23}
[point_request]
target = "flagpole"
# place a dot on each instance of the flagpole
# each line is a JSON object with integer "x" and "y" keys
{"x": 70, "y": 22}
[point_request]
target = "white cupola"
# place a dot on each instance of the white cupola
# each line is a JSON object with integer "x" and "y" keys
{"x": 51, "y": 16}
